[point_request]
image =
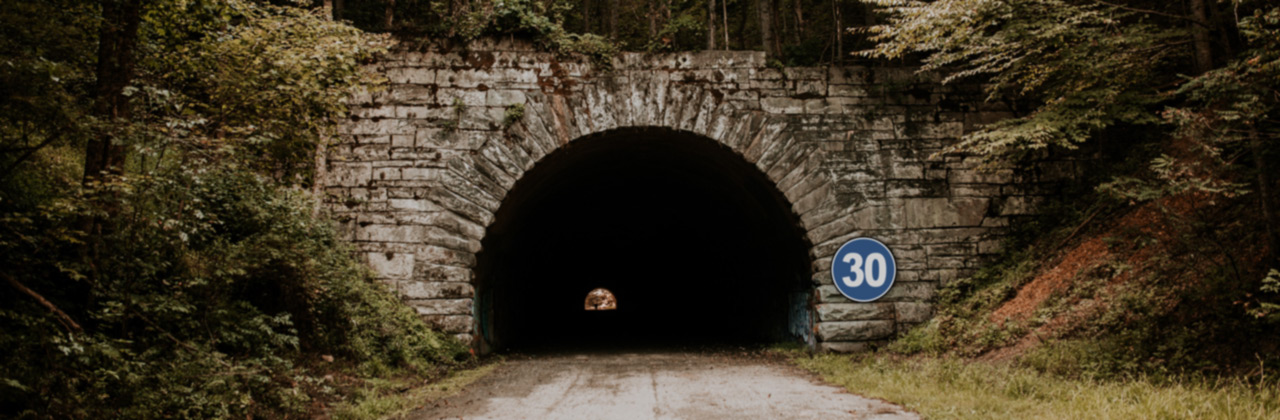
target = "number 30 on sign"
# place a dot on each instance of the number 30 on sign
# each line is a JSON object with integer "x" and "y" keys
{"x": 863, "y": 269}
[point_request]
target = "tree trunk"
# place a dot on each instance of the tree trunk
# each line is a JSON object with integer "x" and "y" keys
{"x": 799, "y": 32}
{"x": 1264, "y": 196}
{"x": 724, "y": 20}
{"x": 839, "y": 26}
{"x": 1200, "y": 36}
{"x": 586, "y": 16}
{"x": 711, "y": 24}
{"x": 765, "y": 10}
{"x": 614, "y": 5}
{"x": 390, "y": 16}
{"x": 337, "y": 9}
{"x": 117, "y": 39}
{"x": 653, "y": 20}
{"x": 742, "y": 26}
{"x": 321, "y": 174}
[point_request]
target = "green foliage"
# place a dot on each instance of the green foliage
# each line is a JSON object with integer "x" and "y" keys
{"x": 203, "y": 304}
{"x": 389, "y": 398}
{"x": 542, "y": 22}
{"x": 512, "y": 115}
{"x": 682, "y": 33}
{"x": 1082, "y": 67}
{"x": 199, "y": 282}
{"x": 1196, "y": 101}
{"x": 803, "y": 29}
{"x": 961, "y": 324}
{"x": 1269, "y": 309}
{"x": 1174, "y": 177}
{"x": 45, "y": 68}
{"x": 270, "y": 81}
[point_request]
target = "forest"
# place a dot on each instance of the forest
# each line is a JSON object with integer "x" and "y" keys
{"x": 165, "y": 254}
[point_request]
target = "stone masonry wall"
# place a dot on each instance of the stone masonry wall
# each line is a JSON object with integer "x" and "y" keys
{"x": 425, "y": 163}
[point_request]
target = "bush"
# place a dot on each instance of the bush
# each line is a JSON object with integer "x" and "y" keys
{"x": 214, "y": 298}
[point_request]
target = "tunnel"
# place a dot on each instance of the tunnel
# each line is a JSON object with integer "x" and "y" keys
{"x": 693, "y": 244}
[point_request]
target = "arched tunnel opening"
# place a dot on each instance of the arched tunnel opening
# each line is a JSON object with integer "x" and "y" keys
{"x": 695, "y": 245}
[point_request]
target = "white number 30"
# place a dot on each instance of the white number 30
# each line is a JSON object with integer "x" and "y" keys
{"x": 861, "y": 271}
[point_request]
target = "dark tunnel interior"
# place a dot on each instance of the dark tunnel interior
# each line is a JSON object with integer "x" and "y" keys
{"x": 695, "y": 243}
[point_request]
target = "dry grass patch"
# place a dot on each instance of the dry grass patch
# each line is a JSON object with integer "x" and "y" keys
{"x": 956, "y": 389}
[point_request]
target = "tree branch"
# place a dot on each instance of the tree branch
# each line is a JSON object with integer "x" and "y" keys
{"x": 65, "y": 319}
{"x": 1148, "y": 11}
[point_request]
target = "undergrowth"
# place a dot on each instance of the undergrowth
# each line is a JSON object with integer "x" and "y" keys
{"x": 1167, "y": 294}
{"x": 217, "y": 293}
{"x": 948, "y": 388}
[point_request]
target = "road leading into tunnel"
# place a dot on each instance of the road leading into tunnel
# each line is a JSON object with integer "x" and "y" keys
{"x": 654, "y": 385}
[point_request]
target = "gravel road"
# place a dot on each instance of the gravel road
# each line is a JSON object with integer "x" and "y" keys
{"x": 654, "y": 385}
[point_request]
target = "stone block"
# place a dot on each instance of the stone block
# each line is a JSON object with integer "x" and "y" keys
{"x": 388, "y": 233}
{"x": 917, "y": 291}
{"x": 1022, "y": 205}
{"x": 436, "y": 290}
{"x": 442, "y": 274}
{"x": 855, "y": 330}
{"x": 782, "y": 105}
{"x": 447, "y": 323}
{"x": 442, "y": 306}
{"x": 846, "y": 346}
{"x": 505, "y": 97}
{"x": 942, "y": 212}
{"x": 411, "y": 75}
{"x": 350, "y": 174}
{"x": 854, "y": 311}
{"x": 391, "y": 265}
{"x": 805, "y": 73}
{"x": 412, "y": 204}
{"x": 913, "y": 312}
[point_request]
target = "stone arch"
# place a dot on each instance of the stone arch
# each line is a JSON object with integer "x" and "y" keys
{"x": 776, "y": 305}
{"x": 425, "y": 164}
{"x": 553, "y": 120}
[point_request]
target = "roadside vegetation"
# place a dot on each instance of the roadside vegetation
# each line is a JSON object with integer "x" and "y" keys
{"x": 1150, "y": 291}
{"x": 952, "y": 388}
{"x": 163, "y": 252}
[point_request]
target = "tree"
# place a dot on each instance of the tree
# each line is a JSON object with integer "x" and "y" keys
{"x": 1084, "y": 67}
{"x": 767, "y": 40}
{"x": 711, "y": 24}
{"x": 118, "y": 38}
{"x": 220, "y": 106}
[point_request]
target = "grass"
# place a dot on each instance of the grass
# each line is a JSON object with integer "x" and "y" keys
{"x": 394, "y": 398}
{"x": 960, "y": 389}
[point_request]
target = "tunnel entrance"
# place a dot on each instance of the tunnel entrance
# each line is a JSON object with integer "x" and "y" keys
{"x": 697, "y": 244}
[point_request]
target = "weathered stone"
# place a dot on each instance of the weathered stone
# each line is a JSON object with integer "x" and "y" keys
{"x": 391, "y": 265}
{"x": 942, "y": 212}
{"x": 447, "y": 323}
{"x": 423, "y": 166}
{"x": 846, "y": 346}
{"x": 855, "y": 330}
{"x": 442, "y": 306}
{"x": 441, "y": 274}
{"x": 436, "y": 290}
{"x": 913, "y": 312}
{"x": 854, "y": 311}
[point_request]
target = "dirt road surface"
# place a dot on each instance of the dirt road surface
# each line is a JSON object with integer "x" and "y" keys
{"x": 654, "y": 385}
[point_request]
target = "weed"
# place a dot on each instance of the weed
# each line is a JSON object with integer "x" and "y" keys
{"x": 396, "y": 397}
{"x": 513, "y": 115}
{"x": 944, "y": 388}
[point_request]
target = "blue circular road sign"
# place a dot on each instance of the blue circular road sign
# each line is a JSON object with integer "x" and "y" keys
{"x": 863, "y": 269}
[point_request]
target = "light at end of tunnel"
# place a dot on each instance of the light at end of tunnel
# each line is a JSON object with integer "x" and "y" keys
{"x": 601, "y": 300}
